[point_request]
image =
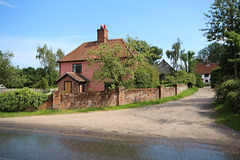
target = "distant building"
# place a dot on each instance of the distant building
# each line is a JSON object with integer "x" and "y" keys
{"x": 164, "y": 69}
{"x": 205, "y": 70}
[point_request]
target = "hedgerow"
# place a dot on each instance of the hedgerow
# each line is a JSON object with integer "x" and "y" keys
{"x": 20, "y": 100}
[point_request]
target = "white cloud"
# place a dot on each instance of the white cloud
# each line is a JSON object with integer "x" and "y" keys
{"x": 7, "y": 4}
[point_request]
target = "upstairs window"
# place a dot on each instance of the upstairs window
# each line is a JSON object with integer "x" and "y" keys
{"x": 206, "y": 75}
{"x": 77, "y": 68}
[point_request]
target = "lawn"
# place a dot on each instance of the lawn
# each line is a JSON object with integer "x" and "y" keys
{"x": 226, "y": 116}
{"x": 186, "y": 93}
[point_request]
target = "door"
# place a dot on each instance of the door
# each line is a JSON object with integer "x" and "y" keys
{"x": 68, "y": 87}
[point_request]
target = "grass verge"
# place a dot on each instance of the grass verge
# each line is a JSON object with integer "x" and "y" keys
{"x": 186, "y": 93}
{"x": 226, "y": 116}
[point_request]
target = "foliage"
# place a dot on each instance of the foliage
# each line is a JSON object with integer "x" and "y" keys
{"x": 199, "y": 81}
{"x": 11, "y": 77}
{"x": 179, "y": 77}
{"x": 191, "y": 61}
{"x": 215, "y": 77}
{"x": 174, "y": 54}
{"x": 48, "y": 59}
{"x": 146, "y": 76}
{"x": 152, "y": 53}
{"x": 234, "y": 38}
{"x": 229, "y": 92}
{"x": 212, "y": 52}
{"x": 20, "y": 100}
{"x": 43, "y": 84}
{"x": 112, "y": 67}
{"x": 224, "y": 16}
{"x": 5, "y": 66}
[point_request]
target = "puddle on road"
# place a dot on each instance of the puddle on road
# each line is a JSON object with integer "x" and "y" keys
{"x": 31, "y": 145}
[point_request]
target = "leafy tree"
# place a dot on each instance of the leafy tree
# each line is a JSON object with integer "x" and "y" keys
{"x": 175, "y": 54}
{"x": 184, "y": 58}
{"x": 212, "y": 52}
{"x": 234, "y": 38}
{"x": 5, "y": 67}
{"x": 48, "y": 60}
{"x": 191, "y": 61}
{"x": 224, "y": 16}
{"x": 152, "y": 53}
{"x": 113, "y": 68}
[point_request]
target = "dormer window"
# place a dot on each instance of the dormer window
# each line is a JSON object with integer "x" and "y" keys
{"x": 77, "y": 68}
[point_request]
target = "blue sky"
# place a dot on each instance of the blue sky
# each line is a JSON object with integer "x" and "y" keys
{"x": 66, "y": 24}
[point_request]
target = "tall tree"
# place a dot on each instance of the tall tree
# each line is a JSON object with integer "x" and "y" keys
{"x": 224, "y": 16}
{"x": 48, "y": 59}
{"x": 212, "y": 52}
{"x": 174, "y": 54}
{"x": 191, "y": 61}
{"x": 235, "y": 39}
{"x": 152, "y": 53}
{"x": 5, "y": 67}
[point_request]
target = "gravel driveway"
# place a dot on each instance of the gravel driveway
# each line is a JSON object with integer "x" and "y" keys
{"x": 187, "y": 118}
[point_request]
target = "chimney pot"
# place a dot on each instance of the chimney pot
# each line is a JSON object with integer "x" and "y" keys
{"x": 102, "y": 34}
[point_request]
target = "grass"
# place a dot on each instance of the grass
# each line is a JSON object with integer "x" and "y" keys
{"x": 186, "y": 93}
{"x": 226, "y": 116}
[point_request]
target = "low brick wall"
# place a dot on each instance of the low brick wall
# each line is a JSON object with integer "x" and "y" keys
{"x": 112, "y": 98}
{"x": 140, "y": 95}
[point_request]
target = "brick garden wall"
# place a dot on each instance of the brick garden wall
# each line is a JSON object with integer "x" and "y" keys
{"x": 112, "y": 98}
{"x": 140, "y": 95}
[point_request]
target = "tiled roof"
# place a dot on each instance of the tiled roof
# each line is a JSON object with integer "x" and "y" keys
{"x": 76, "y": 76}
{"x": 81, "y": 53}
{"x": 205, "y": 68}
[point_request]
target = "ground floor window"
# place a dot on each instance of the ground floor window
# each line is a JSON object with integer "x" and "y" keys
{"x": 81, "y": 88}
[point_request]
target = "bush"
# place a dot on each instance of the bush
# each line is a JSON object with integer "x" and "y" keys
{"x": 215, "y": 76}
{"x": 199, "y": 81}
{"x": 20, "y": 100}
{"x": 229, "y": 92}
{"x": 146, "y": 76}
{"x": 180, "y": 77}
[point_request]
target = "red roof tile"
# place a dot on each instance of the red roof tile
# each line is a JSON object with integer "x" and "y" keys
{"x": 81, "y": 53}
{"x": 205, "y": 68}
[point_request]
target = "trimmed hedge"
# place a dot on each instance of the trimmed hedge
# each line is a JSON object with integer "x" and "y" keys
{"x": 20, "y": 100}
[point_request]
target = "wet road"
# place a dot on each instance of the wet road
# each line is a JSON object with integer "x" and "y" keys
{"x": 18, "y": 144}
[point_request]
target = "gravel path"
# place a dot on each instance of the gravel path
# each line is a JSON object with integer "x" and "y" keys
{"x": 187, "y": 118}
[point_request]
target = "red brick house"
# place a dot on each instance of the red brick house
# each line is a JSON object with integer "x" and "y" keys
{"x": 205, "y": 70}
{"x": 75, "y": 74}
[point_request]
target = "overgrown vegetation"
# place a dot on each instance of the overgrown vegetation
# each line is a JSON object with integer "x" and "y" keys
{"x": 229, "y": 93}
{"x": 179, "y": 77}
{"x": 186, "y": 93}
{"x": 20, "y": 100}
{"x": 226, "y": 116}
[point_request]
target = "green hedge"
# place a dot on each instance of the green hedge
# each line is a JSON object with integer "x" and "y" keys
{"x": 20, "y": 100}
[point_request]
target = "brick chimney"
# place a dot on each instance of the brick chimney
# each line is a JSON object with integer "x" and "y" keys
{"x": 102, "y": 34}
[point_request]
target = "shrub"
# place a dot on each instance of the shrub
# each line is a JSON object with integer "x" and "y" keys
{"x": 229, "y": 91}
{"x": 179, "y": 77}
{"x": 215, "y": 76}
{"x": 199, "y": 81}
{"x": 20, "y": 100}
